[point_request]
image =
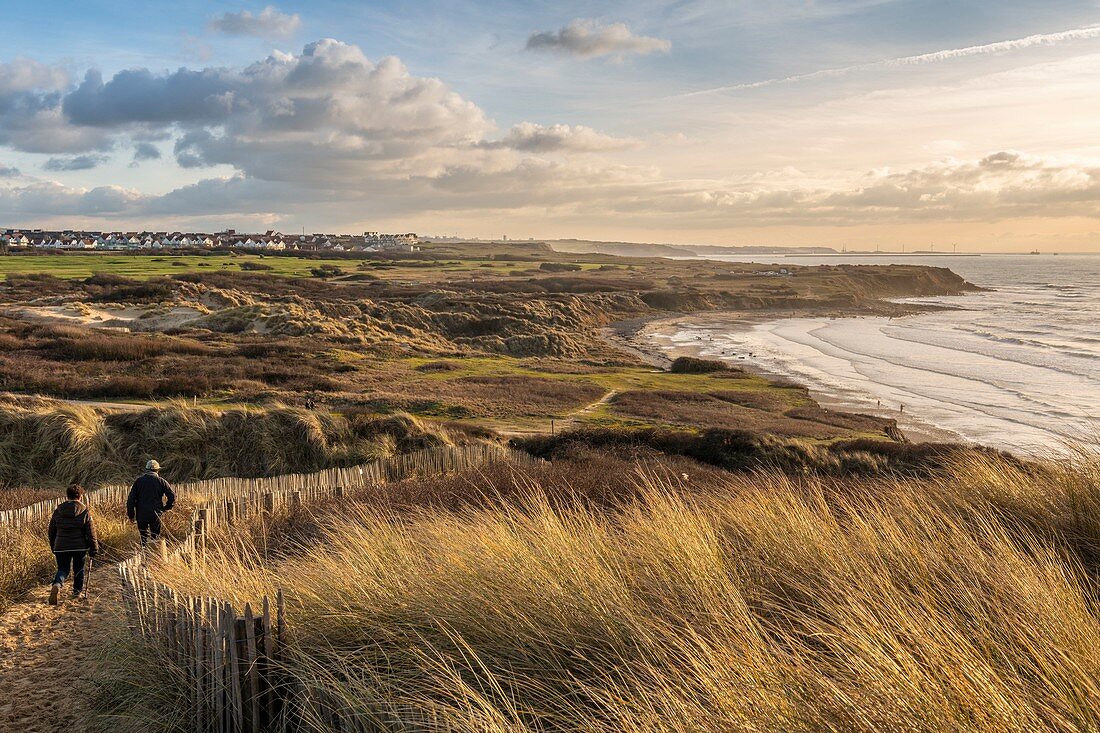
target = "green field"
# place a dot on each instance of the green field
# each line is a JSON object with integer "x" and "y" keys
{"x": 139, "y": 266}
{"x": 143, "y": 266}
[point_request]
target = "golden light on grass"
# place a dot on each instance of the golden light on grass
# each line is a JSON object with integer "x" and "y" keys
{"x": 961, "y": 602}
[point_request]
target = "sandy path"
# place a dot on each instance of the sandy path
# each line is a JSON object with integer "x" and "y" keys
{"x": 570, "y": 421}
{"x": 47, "y": 653}
{"x": 573, "y": 418}
{"x": 100, "y": 405}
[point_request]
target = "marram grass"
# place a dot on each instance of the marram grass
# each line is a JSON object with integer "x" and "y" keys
{"x": 965, "y": 603}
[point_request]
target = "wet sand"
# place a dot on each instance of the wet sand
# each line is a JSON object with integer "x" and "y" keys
{"x": 652, "y": 341}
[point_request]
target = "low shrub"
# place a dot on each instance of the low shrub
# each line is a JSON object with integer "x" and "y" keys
{"x": 93, "y": 345}
{"x": 110, "y": 280}
{"x": 150, "y": 291}
{"x": 694, "y": 365}
{"x": 327, "y": 271}
{"x": 438, "y": 366}
{"x": 741, "y": 450}
{"x": 559, "y": 267}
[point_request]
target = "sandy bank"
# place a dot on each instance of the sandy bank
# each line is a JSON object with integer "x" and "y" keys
{"x": 114, "y": 317}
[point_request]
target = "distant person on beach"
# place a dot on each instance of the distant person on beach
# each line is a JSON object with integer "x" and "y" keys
{"x": 150, "y": 496}
{"x": 72, "y": 539}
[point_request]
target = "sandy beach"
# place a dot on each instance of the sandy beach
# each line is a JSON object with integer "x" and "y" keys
{"x": 655, "y": 341}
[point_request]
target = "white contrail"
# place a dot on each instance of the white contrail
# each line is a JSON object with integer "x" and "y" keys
{"x": 1039, "y": 39}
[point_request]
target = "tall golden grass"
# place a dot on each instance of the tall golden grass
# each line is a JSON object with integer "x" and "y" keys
{"x": 964, "y": 602}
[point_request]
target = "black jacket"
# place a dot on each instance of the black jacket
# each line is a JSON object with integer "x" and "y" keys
{"x": 72, "y": 530}
{"x": 149, "y": 497}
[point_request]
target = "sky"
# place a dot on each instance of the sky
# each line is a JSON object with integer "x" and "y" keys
{"x": 968, "y": 124}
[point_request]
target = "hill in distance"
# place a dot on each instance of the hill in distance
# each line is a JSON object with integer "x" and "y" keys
{"x": 642, "y": 249}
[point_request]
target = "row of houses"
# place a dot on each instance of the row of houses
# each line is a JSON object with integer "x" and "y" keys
{"x": 376, "y": 241}
{"x": 269, "y": 241}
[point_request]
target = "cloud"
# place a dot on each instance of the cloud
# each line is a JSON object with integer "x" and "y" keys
{"x": 1003, "y": 186}
{"x": 75, "y": 163}
{"x": 7, "y": 171}
{"x": 139, "y": 96}
{"x": 50, "y": 198}
{"x": 24, "y": 74}
{"x": 146, "y": 151}
{"x": 327, "y": 134}
{"x": 586, "y": 39}
{"x": 326, "y": 115}
{"x": 533, "y": 138}
{"x": 268, "y": 23}
{"x": 30, "y": 114}
{"x": 1018, "y": 44}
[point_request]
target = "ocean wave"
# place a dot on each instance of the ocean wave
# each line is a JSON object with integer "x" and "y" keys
{"x": 1060, "y": 348}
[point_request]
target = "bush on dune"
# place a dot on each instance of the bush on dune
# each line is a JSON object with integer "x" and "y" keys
{"x": 693, "y": 365}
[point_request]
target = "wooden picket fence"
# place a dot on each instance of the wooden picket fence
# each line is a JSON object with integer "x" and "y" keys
{"x": 231, "y": 657}
{"x": 222, "y": 487}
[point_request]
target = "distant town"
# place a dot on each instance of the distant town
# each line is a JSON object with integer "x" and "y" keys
{"x": 272, "y": 241}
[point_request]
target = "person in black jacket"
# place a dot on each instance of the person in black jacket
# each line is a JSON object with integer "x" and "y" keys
{"x": 150, "y": 496}
{"x": 72, "y": 537}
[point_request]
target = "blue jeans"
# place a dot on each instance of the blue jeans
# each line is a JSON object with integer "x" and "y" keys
{"x": 75, "y": 560}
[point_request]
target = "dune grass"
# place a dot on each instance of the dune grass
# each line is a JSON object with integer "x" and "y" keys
{"x": 51, "y": 444}
{"x": 757, "y": 602}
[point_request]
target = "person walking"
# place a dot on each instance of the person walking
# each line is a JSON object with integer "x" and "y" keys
{"x": 150, "y": 496}
{"x": 72, "y": 538}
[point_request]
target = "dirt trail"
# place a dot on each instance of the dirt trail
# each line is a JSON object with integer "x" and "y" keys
{"x": 568, "y": 422}
{"x": 574, "y": 417}
{"x": 47, "y": 653}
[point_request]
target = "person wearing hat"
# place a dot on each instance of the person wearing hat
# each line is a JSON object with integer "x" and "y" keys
{"x": 150, "y": 496}
{"x": 72, "y": 539}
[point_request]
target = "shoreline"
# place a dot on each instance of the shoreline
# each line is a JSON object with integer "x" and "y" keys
{"x": 639, "y": 336}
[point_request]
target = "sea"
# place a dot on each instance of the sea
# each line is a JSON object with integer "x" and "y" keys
{"x": 1016, "y": 366}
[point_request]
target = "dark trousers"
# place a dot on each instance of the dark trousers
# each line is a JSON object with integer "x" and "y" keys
{"x": 73, "y": 560}
{"x": 149, "y": 530}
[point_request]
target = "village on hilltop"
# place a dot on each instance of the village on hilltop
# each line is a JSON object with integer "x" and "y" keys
{"x": 70, "y": 239}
